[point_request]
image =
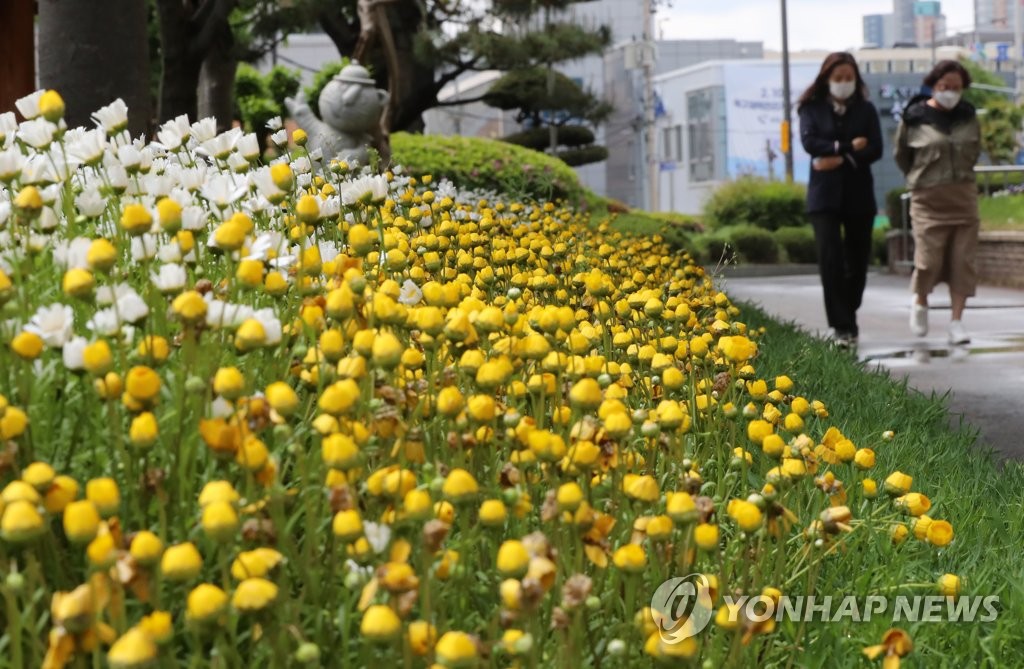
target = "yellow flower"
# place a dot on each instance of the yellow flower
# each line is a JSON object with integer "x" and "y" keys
{"x": 870, "y": 488}
{"x": 737, "y": 349}
{"x": 181, "y": 562}
{"x": 282, "y": 176}
{"x": 250, "y": 335}
{"x": 631, "y": 558}
{"x": 282, "y": 398}
{"x": 103, "y": 492}
{"x": 899, "y": 533}
{"x": 940, "y": 533}
{"x": 339, "y": 397}
{"x": 144, "y": 430}
{"x": 27, "y": 345}
{"x": 256, "y": 563}
{"x": 21, "y": 522}
{"x": 81, "y": 521}
{"x": 422, "y": 636}
{"x": 229, "y": 382}
{"x": 705, "y": 535}
{"x": 78, "y": 282}
{"x": 898, "y": 484}
{"x": 513, "y": 558}
{"x": 459, "y": 486}
{"x": 585, "y": 395}
{"x": 29, "y": 199}
{"x": 308, "y": 209}
{"x": 39, "y": 475}
{"x": 136, "y": 220}
{"x": 60, "y": 493}
{"x": 339, "y": 451}
{"x": 482, "y": 408}
{"x": 206, "y": 602}
{"x": 456, "y": 649}
{"x": 189, "y": 306}
{"x": 220, "y": 521}
{"x": 642, "y": 488}
{"x": 895, "y": 644}
{"x": 218, "y": 491}
{"x": 680, "y": 507}
{"x": 659, "y": 528}
{"x": 253, "y": 594}
{"x": 158, "y": 626}
{"x": 450, "y": 401}
{"x": 146, "y": 548}
{"x": 380, "y": 623}
{"x": 949, "y": 585}
{"x": 347, "y": 525}
{"x": 168, "y": 212}
{"x": 864, "y": 458}
{"x": 569, "y": 496}
{"x": 142, "y": 383}
{"x": 386, "y": 350}
{"x": 746, "y": 514}
{"x": 134, "y": 649}
{"x": 13, "y": 423}
{"x": 914, "y": 503}
{"x": 229, "y": 235}
{"x": 493, "y": 513}
{"x": 102, "y": 551}
{"x": 51, "y": 106}
{"x": 758, "y": 430}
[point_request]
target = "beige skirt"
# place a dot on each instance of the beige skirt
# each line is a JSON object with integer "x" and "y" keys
{"x": 945, "y": 225}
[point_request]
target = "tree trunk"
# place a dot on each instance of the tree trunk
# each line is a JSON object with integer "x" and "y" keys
{"x": 17, "y": 52}
{"x": 217, "y": 80}
{"x": 93, "y": 53}
{"x": 179, "y": 80}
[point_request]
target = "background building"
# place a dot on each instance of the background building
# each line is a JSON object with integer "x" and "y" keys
{"x": 929, "y": 22}
{"x": 993, "y": 15}
{"x": 903, "y": 22}
{"x": 878, "y": 30}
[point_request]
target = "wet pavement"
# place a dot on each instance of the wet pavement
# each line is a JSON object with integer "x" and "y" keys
{"x": 985, "y": 378}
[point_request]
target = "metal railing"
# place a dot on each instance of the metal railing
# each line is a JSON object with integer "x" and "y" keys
{"x": 989, "y": 170}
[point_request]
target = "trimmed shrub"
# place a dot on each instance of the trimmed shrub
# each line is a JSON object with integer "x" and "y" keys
{"x": 894, "y": 207}
{"x": 539, "y": 139}
{"x": 798, "y": 244}
{"x": 753, "y": 244}
{"x": 712, "y": 248}
{"x": 765, "y": 204}
{"x": 583, "y": 155}
{"x": 474, "y": 162}
{"x": 880, "y": 246}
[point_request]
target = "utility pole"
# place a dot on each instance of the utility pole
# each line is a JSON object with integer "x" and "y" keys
{"x": 653, "y": 174}
{"x": 787, "y": 110}
{"x": 1018, "y": 47}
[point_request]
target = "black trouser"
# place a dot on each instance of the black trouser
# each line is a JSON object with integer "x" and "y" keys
{"x": 844, "y": 249}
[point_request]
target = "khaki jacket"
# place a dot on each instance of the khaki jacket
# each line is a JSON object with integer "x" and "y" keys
{"x": 929, "y": 155}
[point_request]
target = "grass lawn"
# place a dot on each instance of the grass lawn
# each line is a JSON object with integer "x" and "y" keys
{"x": 1002, "y": 213}
{"x": 982, "y": 499}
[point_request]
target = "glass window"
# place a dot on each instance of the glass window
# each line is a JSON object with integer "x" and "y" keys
{"x": 700, "y": 128}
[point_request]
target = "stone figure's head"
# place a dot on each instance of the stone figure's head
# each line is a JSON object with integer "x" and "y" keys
{"x": 351, "y": 102}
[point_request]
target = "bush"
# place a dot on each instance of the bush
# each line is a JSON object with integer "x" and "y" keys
{"x": 583, "y": 155}
{"x": 539, "y": 139}
{"x": 712, "y": 248}
{"x": 753, "y": 244}
{"x": 894, "y": 207}
{"x": 798, "y": 243}
{"x": 282, "y": 82}
{"x": 765, "y": 204}
{"x": 473, "y": 162}
{"x": 880, "y": 246}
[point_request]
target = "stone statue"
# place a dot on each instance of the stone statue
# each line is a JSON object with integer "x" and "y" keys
{"x": 351, "y": 106}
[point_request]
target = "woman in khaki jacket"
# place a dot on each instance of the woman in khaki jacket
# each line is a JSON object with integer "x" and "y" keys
{"x": 938, "y": 143}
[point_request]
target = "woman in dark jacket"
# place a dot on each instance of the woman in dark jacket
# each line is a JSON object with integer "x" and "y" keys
{"x": 840, "y": 130}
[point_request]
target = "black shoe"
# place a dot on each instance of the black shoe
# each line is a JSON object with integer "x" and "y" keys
{"x": 846, "y": 340}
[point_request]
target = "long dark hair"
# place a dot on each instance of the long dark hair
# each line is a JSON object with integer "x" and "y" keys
{"x": 819, "y": 89}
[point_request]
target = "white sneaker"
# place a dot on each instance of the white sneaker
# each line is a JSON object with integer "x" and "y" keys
{"x": 958, "y": 334}
{"x": 918, "y": 319}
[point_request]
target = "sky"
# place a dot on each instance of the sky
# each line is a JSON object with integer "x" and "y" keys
{"x": 813, "y": 24}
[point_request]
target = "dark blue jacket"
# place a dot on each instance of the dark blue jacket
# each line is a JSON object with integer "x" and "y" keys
{"x": 850, "y": 188}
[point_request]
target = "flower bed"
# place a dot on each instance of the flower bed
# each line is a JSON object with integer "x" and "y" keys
{"x": 296, "y": 414}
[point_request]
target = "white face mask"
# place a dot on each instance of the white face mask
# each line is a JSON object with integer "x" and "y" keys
{"x": 841, "y": 90}
{"x": 947, "y": 99}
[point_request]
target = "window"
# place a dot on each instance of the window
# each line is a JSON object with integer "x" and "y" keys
{"x": 671, "y": 149}
{"x": 701, "y": 127}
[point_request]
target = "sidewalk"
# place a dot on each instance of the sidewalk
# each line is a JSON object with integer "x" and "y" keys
{"x": 986, "y": 378}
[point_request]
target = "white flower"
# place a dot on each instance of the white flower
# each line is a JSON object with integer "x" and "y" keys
{"x": 117, "y": 175}
{"x": 193, "y": 218}
{"x": 90, "y": 203}
{"x": 169, "y": 253}
{"x": 192, "y": 178}
{"x": 157, "y": 185}
{"x": 220, "y": 146}
{"x": 5, "y": 212}
{"x": 48, "y": 220}
{"x": 37, "y": 133}
{"x": 373, "y": 188}
{"x": 11, "y": 163}
{"x": 145, "y": 246}
{"x": 73, "y": 254}
{"x": 28, "y": 106}
{"x": 238, "y": 164}
{"x": 271, "y": 325}
{"x": 8, "y": 125}
{"x": 53, "y": 324}
{"x": 225, "y": 314}
{"x": 130, "y": 157}
{"x": 174, "y": 133}
{"x": 301, "y": 165}
{"x": 73, "y": 353}
{"x": 274, "y": 123}
{"x": 104, "y": 322}
{"x": 378, "y": 535}
{"x": 88, "y": 148}
{"x": 112, "y": 118}
{"x": 107, "y": 295}
{"x": 204, "y": 129}
{"x": 170, "y": 279}
{"x": 280, "y": 138}
{"x": 221, "y": 408}
{"x": 249, "y": 146}
{"x": 330, "y": 208}
{"x": 223, "y": 189}
{"x": 410, "y": 294}
{"x": 264, "y": 183}
{"x": 267, "y": 245}
{"x": 132, "y": 308}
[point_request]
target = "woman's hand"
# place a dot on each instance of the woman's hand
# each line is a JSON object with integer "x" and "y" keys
{"x": 827, "y": 163}
{"x": 860, "y": 143}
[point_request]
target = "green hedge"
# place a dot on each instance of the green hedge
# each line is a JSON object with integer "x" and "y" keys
{"x": 472, "y": 162}
{"x": 798, "y": 244}
{"x": 754, "y": 244}
{"x": 765, "y": 204}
